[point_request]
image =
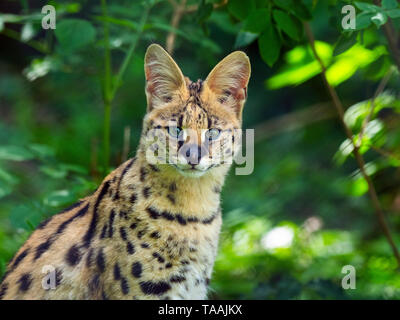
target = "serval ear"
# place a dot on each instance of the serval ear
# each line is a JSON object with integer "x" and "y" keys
{"x": 165, "y": 80}
{"x": 228, "y": 81}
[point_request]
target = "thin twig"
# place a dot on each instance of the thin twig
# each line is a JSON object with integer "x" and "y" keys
{"x": 385, "y": 153}
{"x": 195, "y": 7}
{"x": 179, "y": 9}
{"x": 360, "y": 160}
{"x": 177, "y": 14}
{"x": 106, "y": 89}
{"x": 110, "y": 88}
{"x": 32, "y": 43}
{"x": 130, "y": 52}
{"x": 173, "y": 3}
{"x": 372, "y": 104}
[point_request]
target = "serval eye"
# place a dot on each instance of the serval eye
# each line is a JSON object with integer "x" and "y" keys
{"x": 174, "y": 131}
{"x": 213, "y": 134}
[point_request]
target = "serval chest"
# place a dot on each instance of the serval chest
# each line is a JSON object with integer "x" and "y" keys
{"x": 155, "y": 243}
{"x": 129, "y": 240}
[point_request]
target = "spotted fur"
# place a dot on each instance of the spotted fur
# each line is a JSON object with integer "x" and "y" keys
{"x": 150, "y": 231}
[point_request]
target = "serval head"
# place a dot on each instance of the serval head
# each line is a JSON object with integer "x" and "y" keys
{"x": 193, "y": 127}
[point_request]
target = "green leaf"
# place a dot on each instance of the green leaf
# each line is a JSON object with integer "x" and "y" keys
{"x": 244, "y": 38}
{"x": 73, "y": 7}
{"x": 344, "y": 151}
{"x": 169, "y": 28}
{"x": 5, "y": 189}
{"x": 7, "y": 177}
{"x": 241, "y": 9}
{"x": 74, "y": 168}
{"x": 377, "y": 69}
{"x": 257, "y": 21}
{"x": 301, "y": 11}
{"x": 355, "y": 115}
{"x": 363, "y": 20}
{"x": 389, "y": 4}
{"x": 54, "y": 172}
{"x": 344, "y": 43}
{"x": 13, "y": 18}
{"x": 74, "y": 34}
{"x": 204, "y": 11}
{"x": 358, "y": 187}
{"x": 25, "y": 214}
{"x": 269, "y": 45}
{"x": 59, "y": 198}
{"x": 294, "y": 76}
{"x": 394, "y": 13}
{"x": 39, "y": 67}
{"x": 15, "y": 153}
{"x": 284, "y": 4}
{"x": 27, "y": 32}
{"x": 261, "y": 3}
{"x": 118, "y": 21}
{"x": 367, "y": 7}
{"x": 288, "y": 23}
{"x": 301, "y": 65}
{"x": 373, "y": 128}
{"x": 379, "y": 19}
{"x": 347, "y": 63}
{"x": 41, "y": 150}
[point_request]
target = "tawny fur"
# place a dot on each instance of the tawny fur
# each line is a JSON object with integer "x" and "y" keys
{"x": 148, "y": 232}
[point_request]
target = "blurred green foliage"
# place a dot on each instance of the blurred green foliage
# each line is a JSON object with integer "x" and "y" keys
{"x": 302, "y": 215}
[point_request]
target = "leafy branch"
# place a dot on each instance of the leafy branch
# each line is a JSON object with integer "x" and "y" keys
{"x": 356, "y": 149}
{"x": 179, "y": 10}
{"x": 110, "y": 86}
{"x": 372, "y": 104}
{"x": 391, "y": 36}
